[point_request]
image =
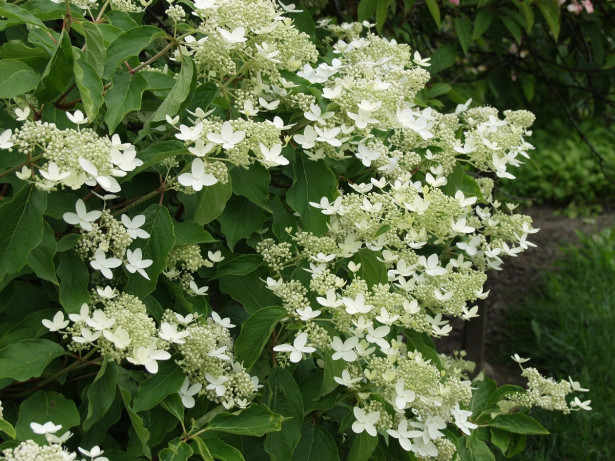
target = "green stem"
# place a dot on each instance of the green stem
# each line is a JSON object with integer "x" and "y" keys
{"x": 102, "y": 10}
{"x": 21, "y": 165}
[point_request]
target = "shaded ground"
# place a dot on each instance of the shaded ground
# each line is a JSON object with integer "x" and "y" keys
{"x": 508, "y": 286}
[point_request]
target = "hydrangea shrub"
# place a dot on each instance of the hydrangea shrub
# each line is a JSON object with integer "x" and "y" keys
{"x": 228, "y": 232}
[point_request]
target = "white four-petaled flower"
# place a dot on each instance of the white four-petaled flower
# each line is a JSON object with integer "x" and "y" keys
{"x": 83, "y": 217}
{"x": 365, "y": 421}
{"x": 297, "y": 349}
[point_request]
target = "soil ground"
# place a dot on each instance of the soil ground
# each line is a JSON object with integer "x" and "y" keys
{"x": 507, "y": 285}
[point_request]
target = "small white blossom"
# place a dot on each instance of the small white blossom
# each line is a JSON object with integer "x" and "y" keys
{"x": 148, "y": 357}
{"x": 187, "y": 392}
{"x": 120, "y": 337}
{"x": 99, "y": 320}
{"x": 216, "y": 384}
{"x": 197, "y": 178}
{"x": 346, "y": 379}
{"x": 169, "y": 333}
{"x": 297, "y": 349}
{"x": 237, "y": 35}
{"x": 136, "y": 263}
{"x": 103, "y": 264}
{"x": 461, "y": 419}
{"x": 77, "y": 117}
{"x": 133, "y": 226}
{"x": 344, "y": 349}
{"x": 83, "y": 217}
{"x": 5, "y": 139}
{"x": 227, "y": 137}
{"x": 57, "y": 323}
{"x": 46, "y": 428}
{"x": 307, "y": 313}
{"x": 365, "y": 421}
{"x": 225, "y": 322}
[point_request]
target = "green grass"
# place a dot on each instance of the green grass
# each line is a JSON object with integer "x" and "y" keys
{"x": 567, "y": 325}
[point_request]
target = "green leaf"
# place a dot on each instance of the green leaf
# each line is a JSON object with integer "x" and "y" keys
{"x": 550, "y": 9}
{"x": 313, "y": 180}
{"x": 101, "y": 394}
{"x": 130, "y": 43}
{"x": 282, "y": 219}
{"x": 249, "y": 290}
{"x": 90, "y": 87}
{"x": 162, "y": 238}
{"x": 202, "y": 449}
{"x": 136, "y": 421}
{"x": 41, "y": 258}
{"x": 237, "y": 265}
{"x": 434, "y": 10}
{"x": 68, "y": 242}
{"x": 28, "y": 358}
{"x": 179, "y": 93}
{"x": 253, "y": 184}
{"x": 473, "y": 449}
{"x": 123, "y": 97}
{"x": 255, "y": 333}
{"x": 362, "y": 447}
{"x": 154, "y": 389}
{"x": 156, "y": 153}
{"x": 25, "y": 326}
{"x": 463, "y": 29}
{"x": 528, "y": 14}
{"x": 284, "y": 399}
{"x": 333, "y": 368}
{"x": 74, "y": 280}
{"x": 438, "y": 89}
{"x": 95, "y": 50}
{"x": 371, "y": 270}
{"x": 382, "y": 11}
{"x": 22, "y": 228}
{"x": 500, "y": 439}
{"x": 366, "y": 9}
{"x": 16, "y": 78}
{"x": 206, "y": 205}
{"x": 10, "y": 11}
{"x": 443, "y": 58}
{"x": 316, "y": 444}
{"x": 481, "y": 23}
{"x": 518, "y": 423}
{"x": 176, "y": 451}
{"x": 59, "y": 72}
{"x": 512, "y": 27}
{"x": 173, "y": 404}
{"x": 7, "y": 428}
{"x": 234, "y": 229}
{"x": 42, "y": 407}
{"x": 460, "y": 180}
{"x": 189, "y": 232}
{"x": 18, "y": 51}
{"x": 256, "y": 420}
{"x": 223, "y": 451}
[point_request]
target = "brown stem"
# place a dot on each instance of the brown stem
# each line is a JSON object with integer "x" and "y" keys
{"x": 154, "y": 58}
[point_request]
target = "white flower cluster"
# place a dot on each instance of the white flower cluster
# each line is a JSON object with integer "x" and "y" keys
{"x": 118, "y": 325}
{"x": 53, "y": 451}
{"x": 404, "y": 249}
{"x": 102, "y": 233}
{"x": 73, "y": 157}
